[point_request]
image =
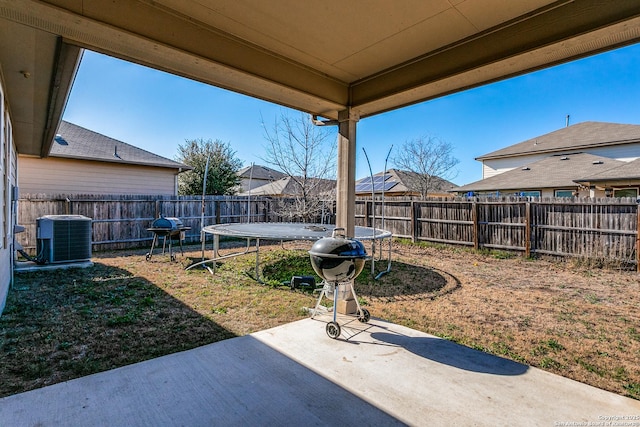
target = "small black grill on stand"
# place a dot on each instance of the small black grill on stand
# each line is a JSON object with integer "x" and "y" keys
{"x": 167, "y": 228}
{"x": 338, "y": 260}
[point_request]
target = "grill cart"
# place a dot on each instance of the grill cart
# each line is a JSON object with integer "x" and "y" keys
{"x": 167, "y": 228}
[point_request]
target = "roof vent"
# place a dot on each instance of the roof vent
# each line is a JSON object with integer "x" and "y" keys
{"x": 526, "y": 168}
{"x": 564, "y": 158}
{"x": 60, "y": 140}
{"x": 597, "y": 162}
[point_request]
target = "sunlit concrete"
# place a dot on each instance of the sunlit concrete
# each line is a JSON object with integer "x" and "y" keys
{"x": 373, "y": 374}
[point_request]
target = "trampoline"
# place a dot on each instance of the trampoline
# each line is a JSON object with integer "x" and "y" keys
{"x": 281, "y": 231}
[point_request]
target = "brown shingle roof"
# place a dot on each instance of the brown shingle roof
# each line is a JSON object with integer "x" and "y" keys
{"x": 551, "y": 172}
{"x": 572, "y": 139}
{"x": 76, "y": 142}
{"x": 405, "y": 182}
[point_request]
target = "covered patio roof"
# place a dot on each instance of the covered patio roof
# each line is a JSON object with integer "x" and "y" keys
{"x": 322, "y": 58}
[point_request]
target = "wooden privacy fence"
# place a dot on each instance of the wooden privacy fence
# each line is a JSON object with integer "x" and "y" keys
{"x": 605, "y": 229}
{"x": 121, "y": 222}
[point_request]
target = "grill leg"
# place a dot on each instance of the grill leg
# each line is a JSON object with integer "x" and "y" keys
{"x": 315, "y": 310}
{"x": 153, "y": 244}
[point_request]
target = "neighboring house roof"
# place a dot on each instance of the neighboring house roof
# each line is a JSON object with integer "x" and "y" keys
{"x": 400, "y": 181}
{"x": 260, "y": 172}
{"x": 558, "y": 171}
{"x": 573, "y": 138}
{"x": 289, "y": 187}
{"x": 627, "y": 171}
{"x": 76, "y": 142}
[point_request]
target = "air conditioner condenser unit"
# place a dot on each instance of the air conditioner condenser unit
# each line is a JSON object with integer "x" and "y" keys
{"x": 63, "y": 238}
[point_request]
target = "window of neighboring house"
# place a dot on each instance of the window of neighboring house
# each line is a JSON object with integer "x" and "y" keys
{"x": 626, "y": 192}
{"x": 488, "y": 194}
{"x": 529, "y": 193}
{"x": 564, "y": 193}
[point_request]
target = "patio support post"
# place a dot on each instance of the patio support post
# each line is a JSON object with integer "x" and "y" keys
{"x": 346, "y": 195}
{"x": 346, "y": 172}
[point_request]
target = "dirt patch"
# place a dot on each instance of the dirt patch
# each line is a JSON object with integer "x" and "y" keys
{"x": 577, "y": 322}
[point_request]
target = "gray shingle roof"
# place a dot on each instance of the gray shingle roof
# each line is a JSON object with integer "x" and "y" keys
{"x": 573, "y": 138}
{"x": 627, "y": 171}
{"x": 76, "y": 142}
{"x": 260, "y": 172}
{"x": 551, "y": 172}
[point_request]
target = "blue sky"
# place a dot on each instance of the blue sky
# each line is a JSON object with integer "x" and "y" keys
{"x": 157, "y": 111}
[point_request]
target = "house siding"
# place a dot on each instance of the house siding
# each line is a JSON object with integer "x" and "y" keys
{"x": 497, "y": 166}
{"x": 8, "y": 175}
{"x": 71, "y": 176}
{"x": 625, "y": 153}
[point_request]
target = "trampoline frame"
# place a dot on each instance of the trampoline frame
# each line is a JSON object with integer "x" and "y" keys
{"x": 279, "y": 231}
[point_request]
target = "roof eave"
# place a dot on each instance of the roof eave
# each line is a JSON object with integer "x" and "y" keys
{"x": 562, "y": 150}
{"x": 182, "y": 168}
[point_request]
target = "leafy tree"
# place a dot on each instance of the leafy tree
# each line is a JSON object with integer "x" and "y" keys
{"x": 307, "y": 154}
{"x": 431, "y": 159}
{"x": 222, "y": 178}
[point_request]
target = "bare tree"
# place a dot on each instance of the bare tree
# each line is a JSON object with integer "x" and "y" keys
{"x": 306, "y": 153}
{"x": 430, "y": 159}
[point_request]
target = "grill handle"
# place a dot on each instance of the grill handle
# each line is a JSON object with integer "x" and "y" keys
{"x": 335, "y": 231}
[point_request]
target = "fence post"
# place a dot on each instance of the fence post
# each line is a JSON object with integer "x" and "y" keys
{"x": 415, "y": 223}
{"x": 476, "y": 229}
{"x": 158, "y": 211}
{"x": 527, "y": 230}
{"x": 216, "y": 208}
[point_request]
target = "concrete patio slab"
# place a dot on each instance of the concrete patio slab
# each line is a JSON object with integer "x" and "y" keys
{"x": 373, "y": 374}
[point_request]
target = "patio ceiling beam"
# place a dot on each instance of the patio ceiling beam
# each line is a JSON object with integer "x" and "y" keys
{"x": 562, "y": 32}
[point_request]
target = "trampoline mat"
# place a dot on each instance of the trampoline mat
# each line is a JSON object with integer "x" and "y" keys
{"x": 289, "y": 231}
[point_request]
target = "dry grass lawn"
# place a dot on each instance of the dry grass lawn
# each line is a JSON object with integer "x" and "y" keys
{"x": 579, "y": 322}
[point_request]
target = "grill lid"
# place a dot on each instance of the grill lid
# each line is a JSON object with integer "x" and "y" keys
{"x": 338, "y": 247}
{"x": 168, "y": 223}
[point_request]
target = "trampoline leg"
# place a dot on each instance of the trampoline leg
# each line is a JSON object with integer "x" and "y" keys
{"x": 388, "y": 270}
{"x": 258, "y": 260}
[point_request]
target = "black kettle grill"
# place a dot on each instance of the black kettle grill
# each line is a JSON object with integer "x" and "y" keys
{"x": 338, "y": 259}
